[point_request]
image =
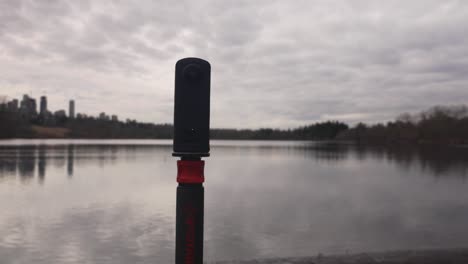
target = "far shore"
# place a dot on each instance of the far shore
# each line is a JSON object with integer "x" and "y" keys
{"x": 44, "y": 133}
{"x": 439, "y": 256}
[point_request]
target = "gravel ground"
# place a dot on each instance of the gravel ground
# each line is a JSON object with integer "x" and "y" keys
{"x": 452, "y": 256}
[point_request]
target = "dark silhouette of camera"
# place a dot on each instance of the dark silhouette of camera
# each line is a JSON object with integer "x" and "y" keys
{"x": 192, "y": 108}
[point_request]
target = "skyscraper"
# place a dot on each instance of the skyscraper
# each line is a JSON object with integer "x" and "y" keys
{"x": 43, "y": 109}
{"x": 33, "y": 106}
{"x": 28, "y": 105}
{"x": 71, "y": 109}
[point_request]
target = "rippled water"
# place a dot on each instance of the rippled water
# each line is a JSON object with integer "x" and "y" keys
{"x": 85, "y": 201}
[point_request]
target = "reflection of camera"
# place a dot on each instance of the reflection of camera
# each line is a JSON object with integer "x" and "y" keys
{"x": 192, "y": 108}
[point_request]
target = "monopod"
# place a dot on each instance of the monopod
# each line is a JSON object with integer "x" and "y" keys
{"x": 191, "y": 143}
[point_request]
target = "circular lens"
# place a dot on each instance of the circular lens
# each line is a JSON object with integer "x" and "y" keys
{"x": 192, "y": 72}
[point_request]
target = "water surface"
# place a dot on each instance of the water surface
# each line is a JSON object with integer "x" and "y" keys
{"x": 94, "y": 201}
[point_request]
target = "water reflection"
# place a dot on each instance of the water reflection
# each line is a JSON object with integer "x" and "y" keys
{"x": 435, "y": 161}
{"x": 23, "y": 159}
{"x": 26, "y": 163}
{"x": 70, "y": 156}
{"x": 41, "y": 163}
{"x": 114, "y": 203}
{"x": 438, "y": 161}
{"x": 8, "y": 163}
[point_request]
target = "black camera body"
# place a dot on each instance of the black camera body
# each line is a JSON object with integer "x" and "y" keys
{"x": 192, "y": 108}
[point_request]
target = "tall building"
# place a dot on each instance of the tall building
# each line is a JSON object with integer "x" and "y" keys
{"x": 43, "y": 108}
{"x": 71, "y": 109}
{"x": 28, "y": 105}
{"x": 24, "y": 105}
{"x": 33, "y": 106}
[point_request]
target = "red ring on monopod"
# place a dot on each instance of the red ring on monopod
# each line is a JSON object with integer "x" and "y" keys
{"x": 190, "y": 171}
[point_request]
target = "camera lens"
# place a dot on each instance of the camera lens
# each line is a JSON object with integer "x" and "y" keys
{"x": 192, "y": 72}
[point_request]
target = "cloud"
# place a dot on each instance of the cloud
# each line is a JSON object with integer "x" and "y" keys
{"x": 274, "y": 63}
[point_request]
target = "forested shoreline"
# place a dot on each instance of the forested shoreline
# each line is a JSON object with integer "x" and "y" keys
{"x": 14, "y": 126}
{"x": 441, "y": 125}
{"x": 447, "y": 125}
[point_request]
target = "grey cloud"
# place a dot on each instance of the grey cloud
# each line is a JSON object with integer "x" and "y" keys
{"x": 275, "y": 63}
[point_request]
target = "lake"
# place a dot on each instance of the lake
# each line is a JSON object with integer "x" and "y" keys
{"x": 113, "y": 201}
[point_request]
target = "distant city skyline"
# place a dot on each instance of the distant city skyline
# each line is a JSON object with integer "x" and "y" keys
{"x": 28, "y": 105}
{"x": 39, "y": 107}
{"x": 43, "y": 103}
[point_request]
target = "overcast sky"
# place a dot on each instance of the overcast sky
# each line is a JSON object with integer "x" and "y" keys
{"x": 274, "y": 63}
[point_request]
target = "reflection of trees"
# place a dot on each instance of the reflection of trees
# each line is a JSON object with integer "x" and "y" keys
{"x": 8, "y": 161}
{"x": 27, "y": 162}
{"x": 24, "y": 159}
{"x": 439, "y": 160}
{"x": 330, "y": 152}
{"x": 41, "y": 163}
{"x": 319, "y": 151}
{"x": 445, "y": 160}
{"x": 70, "y": 157}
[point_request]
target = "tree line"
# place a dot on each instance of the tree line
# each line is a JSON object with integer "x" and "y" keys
{"x": 437, "y": 125}
{"x": 446, "y": 125}
{"x": 319, "y": 131}
{"x": 13, "y": 125}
